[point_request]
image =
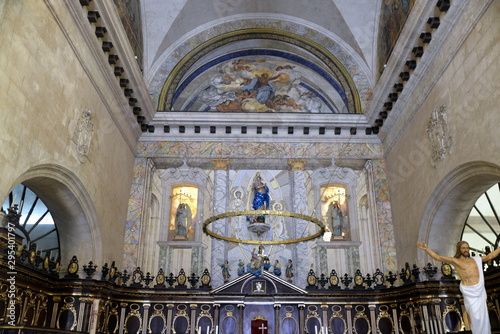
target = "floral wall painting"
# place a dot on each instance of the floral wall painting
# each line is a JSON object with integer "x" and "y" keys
{"x": 260, "y": 83}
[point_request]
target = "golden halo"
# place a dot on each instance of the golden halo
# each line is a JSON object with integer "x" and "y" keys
{"x": 318, "y": 222}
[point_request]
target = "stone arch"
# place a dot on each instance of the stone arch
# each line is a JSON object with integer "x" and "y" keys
{"x": 71, "y": 208}
{"x": 451, "y": 202}
{"x": 164, "y": 70}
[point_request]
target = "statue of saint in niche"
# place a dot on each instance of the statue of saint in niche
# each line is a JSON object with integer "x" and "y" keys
{"x": 182, "y": 221}
{"x": 335, "y": 219}
{"x": 261, "y": 194}
{"x": 261, "y": 201}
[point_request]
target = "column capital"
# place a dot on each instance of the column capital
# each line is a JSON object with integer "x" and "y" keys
{"x": 220, "y": 164}
{"x": 297, "y": 164}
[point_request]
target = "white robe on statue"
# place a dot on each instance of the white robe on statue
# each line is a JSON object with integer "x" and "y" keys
{"x": 475, "y": 302}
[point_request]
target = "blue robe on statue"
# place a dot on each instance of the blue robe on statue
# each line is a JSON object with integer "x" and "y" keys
{"x": 260, "y": 199}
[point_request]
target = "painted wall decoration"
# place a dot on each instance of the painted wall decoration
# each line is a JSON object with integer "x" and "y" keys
{"x": 393, "y": 16}
{"x": 174, "y": 67}
{"x": 265, "y": 83}
{"x": 130, "y": 15}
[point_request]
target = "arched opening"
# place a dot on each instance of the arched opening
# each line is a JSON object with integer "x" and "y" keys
{"x": 482, "y": 227}
{"x": 71, "y": 209}
{"x": 451, "y": 203}
{"x": 34, "y": 224}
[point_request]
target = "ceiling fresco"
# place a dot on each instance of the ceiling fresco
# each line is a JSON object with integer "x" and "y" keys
{"x": 187, "y": 71}
{"x": 264, "y": 81}
{"x": 298, "y": 74}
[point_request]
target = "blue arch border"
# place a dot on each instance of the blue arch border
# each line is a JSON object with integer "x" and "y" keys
{"x": 261, "y": 52}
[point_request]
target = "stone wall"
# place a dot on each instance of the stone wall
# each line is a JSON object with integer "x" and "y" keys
{"x": 49, "y": 76}
{"x": 433, "y": 202}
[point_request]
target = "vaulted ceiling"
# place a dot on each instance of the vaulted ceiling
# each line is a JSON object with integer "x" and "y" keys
{"x": 203, "y": 59}
{"x": 327, "y": 53}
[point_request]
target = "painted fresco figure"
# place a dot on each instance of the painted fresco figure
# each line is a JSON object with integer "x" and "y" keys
{"x": 263, "y": 87}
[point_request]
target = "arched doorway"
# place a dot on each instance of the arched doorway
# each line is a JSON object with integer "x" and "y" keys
{"x": 449, "y": 206}
{"x": 72, "y": 211}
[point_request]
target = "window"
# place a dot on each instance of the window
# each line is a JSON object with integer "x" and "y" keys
{"x": 36, "y": 226}
{"x": 482, "y": 227}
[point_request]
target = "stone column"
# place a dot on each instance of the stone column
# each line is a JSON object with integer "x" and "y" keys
{"x": 384, "y": 216}
{"x": 277, "y": 322}
{"x": 394, "y": 308}
{"x": 349, "y": 318}
{"x": 193, "y": 307}
{"x": 241, "y": 308}
{"x": 55, "y": 307}
{"x": 135, "y": 215}
{"x": 94, "y": 316}
{"x": 122, "y": 317}
{"x": 170, "y": 307}
{"x": 373, "y": 319}
{"x": 81, "y": 313}
{"x": 221, "y": 200}
{"x": 216, "y": 318}
{"x": 369, "y": 231}
{"x": 145, "y": 318}
{"x": 299, "y": 205}
{"x": 324, "y": 327}
{"x": 302, "y": 318}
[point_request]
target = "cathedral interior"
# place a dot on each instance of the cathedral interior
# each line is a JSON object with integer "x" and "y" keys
{"x": 352, "y": 130}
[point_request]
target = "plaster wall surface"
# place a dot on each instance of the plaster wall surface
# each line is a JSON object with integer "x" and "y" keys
{"x": 470, "y": 89}
{"x": 48, "y": 77}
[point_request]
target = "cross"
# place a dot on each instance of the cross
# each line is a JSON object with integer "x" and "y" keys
{"x": 262, "y": 327}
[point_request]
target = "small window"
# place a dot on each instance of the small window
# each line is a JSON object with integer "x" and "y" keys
{"x": 35, "y": 226}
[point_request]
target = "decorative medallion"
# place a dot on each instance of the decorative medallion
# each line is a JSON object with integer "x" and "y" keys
{"x": 83, "y": 135}
{"x": 439, "y": 135}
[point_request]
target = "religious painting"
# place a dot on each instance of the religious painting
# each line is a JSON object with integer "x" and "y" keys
{"x": 393, "y": 15}
{"x": 130, "y": 15}
{"x": 263, "y": 84}
{"x": 335, "y": 211}
{"x": 183, "y": 208}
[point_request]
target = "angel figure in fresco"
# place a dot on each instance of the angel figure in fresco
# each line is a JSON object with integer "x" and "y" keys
{"x": 236, "y": 105}
{"x": 182, "y": 220}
